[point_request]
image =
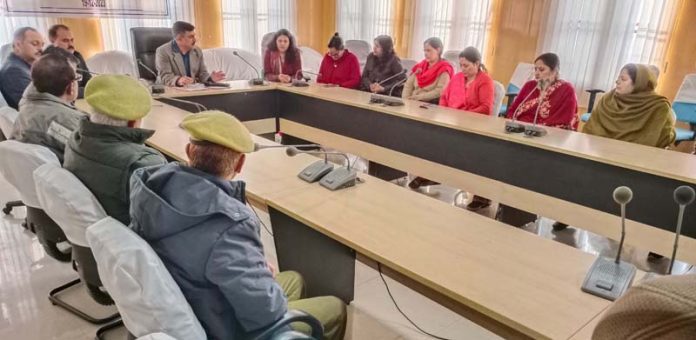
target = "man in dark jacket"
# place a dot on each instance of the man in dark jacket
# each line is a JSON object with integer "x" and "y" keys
{"x": 109, "y": 146}
{"x": 197, "y": 221}
{"x": 46, "y": 115}
{"x": 15, "y": 75}
{"x": 61, "y": 38}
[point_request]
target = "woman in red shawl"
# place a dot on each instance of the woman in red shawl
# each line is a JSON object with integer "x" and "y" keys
{"x": 426, "y": 82}
{"x": 559, "y": 106}
{"x": 429, "y": 77}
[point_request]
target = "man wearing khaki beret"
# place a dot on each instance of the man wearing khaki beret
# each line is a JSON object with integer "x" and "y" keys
{"x": 197, "y": 221}
{"x": 109, "y": 145}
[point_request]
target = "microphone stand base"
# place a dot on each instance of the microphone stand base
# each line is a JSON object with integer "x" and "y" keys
{"x": 157, "y": 89}
{"x": 513, "y": 127}
{"x": 608, "y": 279}
{"x": 534, "y": 131}
{"x": 339, "y": 178}
{"x": 256, "y": 82}
{"x": 299, "y": 83}
{"x": 315, "y": 171}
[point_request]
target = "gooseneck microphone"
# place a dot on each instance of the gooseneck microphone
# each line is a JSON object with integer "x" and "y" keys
{"x": 609, "y": 278}
{"x": 397, "y": 85}
{"x": 534, "y": 130}
{"x": 622, "y": 196}
{"x": 512, "y": 126}
{"x": 304, "y": 81}
{"x": 200, "y": 107}
{"x": 255, "y": 81}
{"x": 683, "y": 196}
{"x": 154, "y": 88}
{"x": 392, "y": 77}
{"x": 333, "y": 179}
{"x": 258, "y": 147}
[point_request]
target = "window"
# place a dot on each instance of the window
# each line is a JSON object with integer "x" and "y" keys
{"x": 364, "y": 19}
{"x": 245, "y": 22}
{"x": 116, "y": 31}
{"x": 9, "y": 24}
{"x": 595, "y": 38}
{"x": 458, "y": 24}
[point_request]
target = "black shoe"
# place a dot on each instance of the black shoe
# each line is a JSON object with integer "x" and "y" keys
{"x": 654, "y": 256}
{"x": 421, "y": 182}
{"x": 558, "y": 226}
{"x": 478, "y": 203}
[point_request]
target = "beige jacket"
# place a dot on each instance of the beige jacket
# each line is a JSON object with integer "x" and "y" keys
{"x": 428, "y": 93}
{"x": 170, "y": 65}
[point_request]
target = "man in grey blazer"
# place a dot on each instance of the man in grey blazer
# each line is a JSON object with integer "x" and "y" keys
{"x": 180, "y": 62}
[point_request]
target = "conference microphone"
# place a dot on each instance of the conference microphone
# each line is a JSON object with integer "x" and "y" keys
{"x": 304, "y": 81}
{"x": 255, "y": 81}
{"x": 154, "y": 88}
{"x": 512, "y": 126}
{"x": 534, "y": 130}
{"x": 259, "y": 147}
{"x": 392, "y": 77}
{"x": 610, "y": 278}
{"x": 683, "y": 196}
{"x": 341, "y": 177}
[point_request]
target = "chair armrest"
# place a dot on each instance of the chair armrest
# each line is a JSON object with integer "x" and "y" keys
{"x": 594, "y": 91}
{"x": 510, "y": 97}
{"x": 290, "y": 317}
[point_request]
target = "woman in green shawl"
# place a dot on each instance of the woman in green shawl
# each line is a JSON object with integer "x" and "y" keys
{"x": 633, "y": 112}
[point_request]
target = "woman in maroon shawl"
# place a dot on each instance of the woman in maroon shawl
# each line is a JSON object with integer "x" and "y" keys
{"x": 282, "y": 62}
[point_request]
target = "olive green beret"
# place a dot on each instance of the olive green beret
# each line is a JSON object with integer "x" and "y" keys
{"x": 219, "y": 128}
{"x": 118, "y": 96}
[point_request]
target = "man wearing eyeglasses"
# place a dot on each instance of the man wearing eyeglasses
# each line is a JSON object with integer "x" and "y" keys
{"x": 27, "y": 45}
{"x": 61, "y": 37}
{"x": 46, "y": 114}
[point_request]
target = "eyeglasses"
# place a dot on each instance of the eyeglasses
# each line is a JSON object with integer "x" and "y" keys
{"x": 78, "y": 77}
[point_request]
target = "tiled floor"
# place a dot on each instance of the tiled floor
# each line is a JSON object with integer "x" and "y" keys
{"x": 27, "y": 275}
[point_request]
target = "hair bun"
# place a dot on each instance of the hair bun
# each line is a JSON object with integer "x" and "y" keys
{"x": 336, "y": 34}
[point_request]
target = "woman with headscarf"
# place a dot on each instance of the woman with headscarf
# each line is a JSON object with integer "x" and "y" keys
{"x": 633, "y": 112}
{"x": 382, "y": 69}
{"x": 429, "y": 77}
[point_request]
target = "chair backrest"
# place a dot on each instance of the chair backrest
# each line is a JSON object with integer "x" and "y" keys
{"x": 360, "y": 48}
{"x": 685, "y": 101}
{"x": 67, "y": 201}
{"x": 156, "y": 336}
{"x": 223, "y": 59}
{"x": 146, "y": 40}
{"x": 5, "y": 52}
{"x": 146, "y": 295}
{"x": 499, "y": 94}
{"x": 522, "y": 74}
{"x": 19, "y": 160}
{"x": 453, "y": 58}
{"x": 311, "y": 60}
{"x": 113, "y": 62}
{"x": 264, "y": 42}
{"x": 408, "y": 64}
{"x": 8, "y": 116}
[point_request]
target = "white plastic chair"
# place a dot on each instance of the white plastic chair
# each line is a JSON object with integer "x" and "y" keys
{"x": 498, "y": 97}
{"x": 360, "y": 48}
{"x": 223, "y": 59}
{"x": 8, "y": 116}
{"x": 311, "y": 61}
{"x": 453, "y": 58}
{"x": 112, "y": 62}
{"x": 408, "y": 64}
{"x": 5, "y": 52}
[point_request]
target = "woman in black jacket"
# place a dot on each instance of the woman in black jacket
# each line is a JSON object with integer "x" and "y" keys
{"x": 382, "y": 64}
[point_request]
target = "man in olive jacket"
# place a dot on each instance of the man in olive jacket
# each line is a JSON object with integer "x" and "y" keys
{"x": 109, "y": 146}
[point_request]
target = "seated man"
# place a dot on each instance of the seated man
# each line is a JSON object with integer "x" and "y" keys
{"x": 180, "y": 62}
{"x": 109, "y": 146}
{"x": 61, "y": 38}
{"x": 46, "y": 115}
{"x": 15, "y": 76}
{"x": 196, "y": 220}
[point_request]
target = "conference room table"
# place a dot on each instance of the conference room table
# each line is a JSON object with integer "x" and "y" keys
{"x": 566, "y": 176}
{"x": 512, "y": 282}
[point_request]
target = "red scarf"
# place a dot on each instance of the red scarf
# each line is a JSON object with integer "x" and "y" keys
{"x": 426, "y": 74}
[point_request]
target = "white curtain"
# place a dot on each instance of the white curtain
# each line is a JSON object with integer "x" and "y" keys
{"x": 595, "y": 38}
{"x": 245, "y": 22}
{"x": 116, "y": 31}
{"x": 457, "y": 23}
{"x": 364, "y": 19}
{"x": 8, "y": 24}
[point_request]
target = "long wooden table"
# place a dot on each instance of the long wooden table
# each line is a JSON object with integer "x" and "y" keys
{"x": 566, "y": 176}
{"x": 508, "y": 280}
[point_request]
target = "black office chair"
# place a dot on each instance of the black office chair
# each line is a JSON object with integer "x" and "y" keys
{"x": 146, "y": 40}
